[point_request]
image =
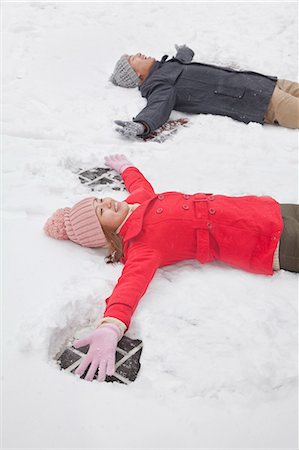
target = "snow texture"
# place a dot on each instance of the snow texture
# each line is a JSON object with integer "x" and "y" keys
{"x": 219, "y": 364}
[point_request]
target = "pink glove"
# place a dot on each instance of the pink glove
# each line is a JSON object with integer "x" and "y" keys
{"x": 118, "y": 162}
{"x": 101, "y": 353}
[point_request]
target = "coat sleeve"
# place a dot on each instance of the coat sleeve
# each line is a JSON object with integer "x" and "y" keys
{"x": 184, "y": 54}
{"x": 134, "y": 180}
{"x": 160, "y": 103}
{"x": 140, "y": 267}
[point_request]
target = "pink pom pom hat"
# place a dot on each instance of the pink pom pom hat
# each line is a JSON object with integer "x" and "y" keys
{"x": 80, "y": 224}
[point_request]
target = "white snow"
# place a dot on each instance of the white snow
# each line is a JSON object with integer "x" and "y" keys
{"x": 219, "y": 364}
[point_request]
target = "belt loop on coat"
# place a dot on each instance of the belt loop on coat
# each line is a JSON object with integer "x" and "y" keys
{"x": 201, "y": 209}
{"x": 201, "y": 197}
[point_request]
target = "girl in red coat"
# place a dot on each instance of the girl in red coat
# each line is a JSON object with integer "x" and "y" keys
{"x": 149, "y": 230}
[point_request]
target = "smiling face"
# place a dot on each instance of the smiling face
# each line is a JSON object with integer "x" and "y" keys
{"x": 141, "y": 64}
{"x": 110, "y": 212}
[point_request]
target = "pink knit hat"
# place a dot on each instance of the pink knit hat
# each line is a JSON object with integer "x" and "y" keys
{"x": 79, "y": 224}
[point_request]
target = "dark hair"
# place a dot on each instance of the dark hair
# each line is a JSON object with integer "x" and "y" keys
{"x": 115, "y": 246}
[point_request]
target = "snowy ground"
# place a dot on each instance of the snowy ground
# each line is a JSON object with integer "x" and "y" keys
{"x": 219, "y": 366}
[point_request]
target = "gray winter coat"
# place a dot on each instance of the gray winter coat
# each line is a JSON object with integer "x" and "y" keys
{"x": 202, "y": 88}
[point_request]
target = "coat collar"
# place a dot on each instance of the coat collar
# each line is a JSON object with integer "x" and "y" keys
{"x": 164, "y": 58}
{"x": 133, "y": 225}
{"x": 155, "y": 67}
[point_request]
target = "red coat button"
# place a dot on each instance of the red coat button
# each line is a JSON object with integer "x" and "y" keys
{"x": 185, "y": 206}
{"x": 186, "y": 196}
{"x": 212, "y": 211}
{"x": 160, "y": 197}
{"x": 159, "y": 210}
{"x": 209, "y": 225}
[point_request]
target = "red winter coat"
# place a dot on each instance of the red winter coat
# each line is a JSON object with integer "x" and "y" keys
{"x": 240, "y": 231}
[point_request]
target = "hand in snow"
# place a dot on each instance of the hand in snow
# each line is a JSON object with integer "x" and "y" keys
{"x": 184, "y": 53}
{"x": 118, "y": 162}
{"x": 101, "y": 353}
{"x": 129, "y": 129}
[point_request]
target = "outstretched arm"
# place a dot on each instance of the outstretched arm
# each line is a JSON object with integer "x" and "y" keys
{"x": 132, "y": 177}
{"x": 140, "y": 267}
{"x": 160, "y": 103}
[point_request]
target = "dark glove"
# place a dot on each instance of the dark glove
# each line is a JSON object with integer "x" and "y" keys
{"x": 184, "y": 53}
{"x": 129, "y": 129}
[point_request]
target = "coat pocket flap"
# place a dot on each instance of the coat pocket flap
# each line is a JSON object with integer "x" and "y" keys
{"x": 230, "y": 91}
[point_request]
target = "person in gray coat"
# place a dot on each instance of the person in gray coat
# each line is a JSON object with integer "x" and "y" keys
{"x": 192, "y": 87}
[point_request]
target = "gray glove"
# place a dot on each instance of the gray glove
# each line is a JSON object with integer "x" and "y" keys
{"x": 184, "y": 53}
{"x": 129, "y": 129}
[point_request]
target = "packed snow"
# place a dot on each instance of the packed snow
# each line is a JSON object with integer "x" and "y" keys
{"x": 219, "y": 364}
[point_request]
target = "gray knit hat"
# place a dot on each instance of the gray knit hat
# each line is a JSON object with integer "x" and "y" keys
{"x": 124, "y": 75}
